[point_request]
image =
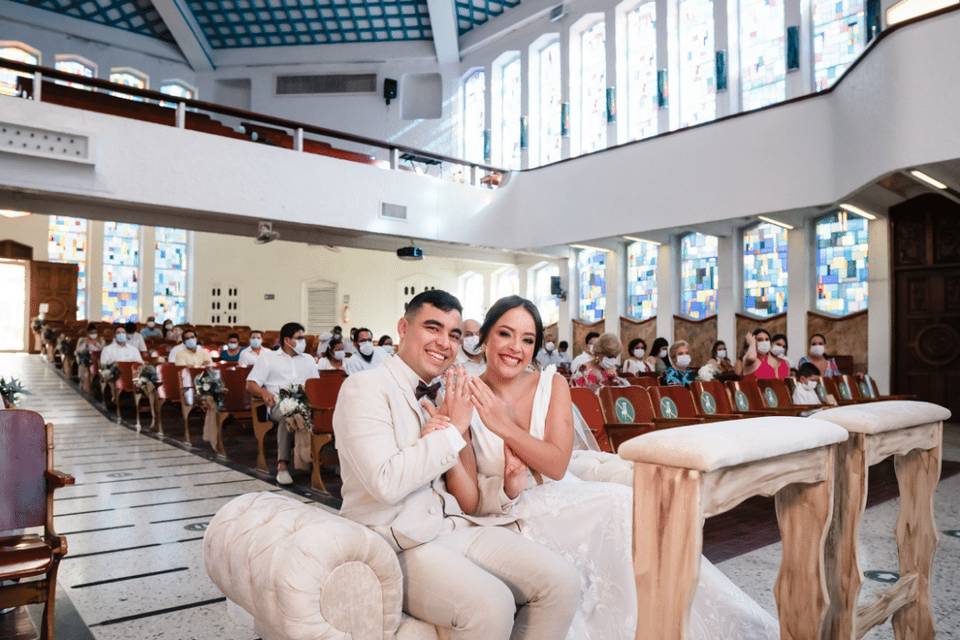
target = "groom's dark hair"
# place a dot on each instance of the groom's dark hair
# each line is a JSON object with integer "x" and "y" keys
{"x": 435, "y": 297}
{"x": 503, "y": 305}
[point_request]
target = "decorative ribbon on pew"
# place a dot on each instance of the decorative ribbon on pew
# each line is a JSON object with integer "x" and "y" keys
{"x": 145, "y": 383}
{"x": 209, "y": 405}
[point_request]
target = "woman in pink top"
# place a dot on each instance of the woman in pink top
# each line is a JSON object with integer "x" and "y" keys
{"x": 758, "y": 362}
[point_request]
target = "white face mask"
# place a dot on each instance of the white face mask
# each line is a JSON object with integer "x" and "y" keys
{"x": 255, "y": 343}
{"x": 763, "y": 346}
{"x": 777, "y": 350}
{"x": 232, "y": 346}
{"x": 638, "y": 353}
{"x": 366, "y": 348}
{"x": 818, "y": 350}
{"x": 300, "y": 345}
{"x": 151, "y": 324}
{"x": 683, "y": 359}
{"x": 810, "y": 385}
{"x": 721, "y": 354}
{"x": 388, "y": 349}
{"x": 120, "y": 338}
{"x": 339, "y": 355}
{"x": 663, "y": 353}
{"x": 608, "y": 363}
{"x": 471, "y": 344}
{"x": 549, "y": 347}
{"x": 92, "y": 336}
{"x": 190, "y": 343}
{"x": 590, "y": 348}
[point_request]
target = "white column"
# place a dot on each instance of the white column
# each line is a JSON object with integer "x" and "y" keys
{"x": 668, "y": 293}
{"x": 148, "y": 240}
{"x": 616, "y": 280}
{"x": 880, "y": 316}
{"x": 95, "y": 269}
{"x": 800, "y": 286}
{"x": 610, "y": 45}
{"x": 729, "y": 275}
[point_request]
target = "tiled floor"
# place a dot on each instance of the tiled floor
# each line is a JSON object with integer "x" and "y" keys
{"x": 137, "y": 514}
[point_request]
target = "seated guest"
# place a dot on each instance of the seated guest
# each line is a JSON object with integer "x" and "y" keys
{"x": 172, "y": 354}
{"x": 470, "y": 353}
{"x": 120, "y": 350}
{"x": 231, "y": 351}
{"x": 660, "y": 356}
{"x": 719, "y": 365}
{"x": 250, "y": 354}
{"x": 386, "y": 343}
{"x": 333, "y": 357}
{"x": 192, "y": 354}
{"x": 549, "y": 355}
{"x": 287, "y": 366}
{"x": 587, "y": 354}
{"x": 601, "y": 369}
{"x": 134, "y": 338}
{"x": 171, "y": 333}
{"x": 91, "y": 341}
{"x": 322, "y": 343}
{"x": 151, "y": 330}
{"x": 808, "y": 377}
{"x": 779, "y": 347}
{"x": 759, "y": 362}
{"x": 563, "y": 349}
{"x": 635, "y": 362}
{"x": 817, "y": 354}
{"x": 680, "y": 373}
{"x": 367, "y": 355}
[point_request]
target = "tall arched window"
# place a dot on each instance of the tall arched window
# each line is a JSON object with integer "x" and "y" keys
{"x": 592, "y": 276}
{"x": 21, "y": 53}
{"x": 698, "y": 276}
{"x": 170, "y": 275}
{"x": 473, "y": 116}
{"x": 765, "y": 270}
{"x": 546, "y": 302}
{"x": 588, "y": 76}
{"x": 506, "y": 110}
{"x": 839, "y": 35}
{"x": 697, "y": 64}
{"x": 178, "y": 89}
{"x": 545, "y": 97}
{"x": 642, "y": 279}
{"x": 471, "y": 296}
{"x": 78, "y": 66}
{"x": 130, "y": 78}
{"x": 841, "y": 263}
{"x": 639, "y": 57}
{"x": 67, "y": 242}
{"x": 762, "y": 52}
{"x": 121, "y": 272}
{"x": 506, "y": 282}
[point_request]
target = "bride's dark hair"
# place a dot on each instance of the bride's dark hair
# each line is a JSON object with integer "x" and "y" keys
{"x": 503, "y": 305}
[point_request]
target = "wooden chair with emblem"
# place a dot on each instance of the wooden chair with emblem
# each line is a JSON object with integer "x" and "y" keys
{"x": 189, "y": 401}
{"x": 123, "y": 383}
{"x": 840, "y": 389}
{"x": 169, "y": 390}
{"x": 26, "y": 501}
{"x": 776, "y": 395}
{"x": 686, "y": 406}
{"x": 747, "y": 396}
{"x": 712, "y": 397}
{"x": 621, "y": 400}
{"x": 236, "y": 402}
{"x": 322, "y": 393}
{"x": 869, "y": 388}
{"x": 609, "y": 434}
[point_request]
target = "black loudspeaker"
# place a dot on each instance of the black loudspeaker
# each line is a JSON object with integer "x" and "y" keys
{"x": 389, "y": 89}
{"x": 555, "y": 289}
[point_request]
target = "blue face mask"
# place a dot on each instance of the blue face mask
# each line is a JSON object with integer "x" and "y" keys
{"x": 255, "y": 343}
{"x": 190, "y": 343}
{"x": 120, "y": 338}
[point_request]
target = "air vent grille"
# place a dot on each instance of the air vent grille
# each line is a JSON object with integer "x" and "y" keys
{"x": 393, "y": 211}
{"x": 326, "y": 84}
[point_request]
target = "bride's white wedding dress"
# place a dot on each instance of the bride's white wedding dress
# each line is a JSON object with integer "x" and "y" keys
{"x": 590, "y": 523}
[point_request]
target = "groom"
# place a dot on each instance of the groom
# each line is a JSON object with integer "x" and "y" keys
{"x": 475, "y": 576}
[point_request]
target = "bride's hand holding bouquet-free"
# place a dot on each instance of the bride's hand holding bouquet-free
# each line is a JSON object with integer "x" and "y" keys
{"x": 494, "y": 412}
{"x": 457, "y": 405}
{"x": 516, "y": 474}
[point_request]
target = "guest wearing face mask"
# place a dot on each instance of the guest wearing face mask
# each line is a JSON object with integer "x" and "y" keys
{"x": 386, "y": 343}
{"x": 333, "y": 357}
{"x": 151, "y": 330}
{"x": 367, "y": 355}
{"x": 660, "y": 356}
{"x": 171, "y": 333}
{"x": 601, "y": 370}
{"x": 120, "y": 350}
{"x": 192, "y": 354}
{"x": 636, "y": 362}
{"x": 134, "y": 338}
{"x": 779, "y": 348}
{"x": 720, "y": 360}
{"x": 587, "y": 356}
{"x": 323, "y": 342}
{"x": 92, "y": 341}
{"x": 231, "y": 351}
{"x": 563, "y": 349}
{"x": 252, "y": 353}
{"x": 759, "y": 362}
{"x": 680, "y": 373}
{"x": 817, "y": 355}
{"x": 808, "y": 377}
{"x": 287, "y": 366}
{"x": 548, "y": 354}
{"x": 470, "y": 354}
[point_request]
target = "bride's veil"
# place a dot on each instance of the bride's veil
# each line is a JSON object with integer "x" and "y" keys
{"x": 582, "y": 436}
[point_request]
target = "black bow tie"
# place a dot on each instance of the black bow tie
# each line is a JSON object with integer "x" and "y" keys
{"x": 430, "y": 390}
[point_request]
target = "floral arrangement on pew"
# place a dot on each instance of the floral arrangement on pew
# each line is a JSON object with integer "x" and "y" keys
{"x": 65, "y": 346}
{"x": 36, "y": 325}
{"x": 210, "y": 391}
{"x": 145, "y": 383}
{"x": 107, "y": 375}
{"x": 292, "y": 412}
{"x": 708, "y": 372}
{"x": 83, "y": 358}
{"x": 10, "y": 390}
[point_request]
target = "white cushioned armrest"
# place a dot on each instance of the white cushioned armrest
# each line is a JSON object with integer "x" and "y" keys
{"x": 888, "y": 415}
{"x": 715, "y": 445}
{"x": 599, "y": 466}
{"x": 302, "y": 572}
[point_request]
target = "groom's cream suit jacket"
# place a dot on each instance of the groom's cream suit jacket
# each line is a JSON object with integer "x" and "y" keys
{"x": 392, "y": 478}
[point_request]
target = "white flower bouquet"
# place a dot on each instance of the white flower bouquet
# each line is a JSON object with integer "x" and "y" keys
{"x": 292, "y": 412}
{"x": 209, "y": 385}
{"x": 148, "y": 376}
{"x": 708, "y": 372}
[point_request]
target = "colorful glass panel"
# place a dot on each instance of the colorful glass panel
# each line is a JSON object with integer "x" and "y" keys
{"x": 698, "y": 275}
{"x": 765, "y": 270}
{"x": 67, "y": 242}
{"x": 121, "y": 272}
{"x": 8, "y": 78}
{"x": 641, "y": 61}
{"x": 697, "y": 62}
{"x": 474, "y": 118}
{"x": 509, "y": 116}
{"x": 762, "y": 52}
{"x": 129, "y": 79}
{"x": 842, "y": 263}
{"x": 548, "y": 102}
{"x": 642, "y": 280}
{"x": 170, "y": 275}
{"x": 592, "y": 274}
{"x": 839, "y": 35}
{"x": 77, "y": 68}
{"x": 593, "y": 88}
{"x": 178, "y": 90}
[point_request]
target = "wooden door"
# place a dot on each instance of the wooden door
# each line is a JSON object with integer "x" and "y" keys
{"x": 926, "y": 262}
{"x": 55, "y": 284}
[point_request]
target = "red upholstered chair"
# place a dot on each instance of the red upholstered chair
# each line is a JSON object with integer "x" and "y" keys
{"x": 322, "y": 393}
{"x": 123, "y": 383}
{"x": 712, "y": 393}
{"x": 642, "y": 404}
{"x": 776, "y": 395}
{"x": 609, "y": 435}
{"x": 27, "y": 483}
{"x": 169, "y": 391}
{"x": 748, "y": 397}
{"x": 236, "y": 401}
{"x": 683, "y": 405}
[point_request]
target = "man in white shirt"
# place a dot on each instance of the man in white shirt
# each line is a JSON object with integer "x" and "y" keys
{"x": 470, "y": 354}
{"x": 367, "y": 356}
{"x": 549, "y": 354}
{"x": 587, "y": 354}
{"x": 134, "y": 338}
{"x": 250, "y": 355}
{"x": 563, "y": 350}
{"x": 177, "y": 348}
{"x": 120, "y": 350}
{"x": 192, "y": 354}
{"x": 287, "y": 366}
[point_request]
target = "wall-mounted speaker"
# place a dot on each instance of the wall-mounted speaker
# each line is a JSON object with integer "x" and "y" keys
{"x": 389, "y": 89}
{"x": 555, "y": 288}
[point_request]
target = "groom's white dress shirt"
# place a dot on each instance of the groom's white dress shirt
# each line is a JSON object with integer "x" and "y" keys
{"x": 116, "y": 352}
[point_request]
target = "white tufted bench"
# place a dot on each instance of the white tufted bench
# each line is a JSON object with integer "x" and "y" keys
{"x": 686, "y": 474}
{"x": 912, "y": 432}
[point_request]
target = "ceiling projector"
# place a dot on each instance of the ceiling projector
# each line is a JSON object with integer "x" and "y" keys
{"x": 412, "y": 252}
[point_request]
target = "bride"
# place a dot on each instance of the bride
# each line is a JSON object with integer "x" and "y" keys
{"x": 523, "y": 431}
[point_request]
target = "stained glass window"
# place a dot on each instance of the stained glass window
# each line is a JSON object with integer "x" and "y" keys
{"x": 474, "y": 118}
{"x": 641, "y": 68}
{"x": 841, "y": 263}
{"x": 506, "y": 283}
{"x": 546, "y": 302}
{"x": 546, "y": 103}
{"x": 67, "y": 242}
{"x": 698, "y": 276}
{"x": 170, "y": 275}
{"x": 77, "y": 66}
{"x": 121, "y": 271}
{"x": 765, "y": 270}
{"x": 178, "y": 89}
{"x": 507, "y": 113}
{"x": 839, "y": 35}
{"x": 762, "y": 52}
{"x": 697, "y": 88}
{"x": 129, "y": 78}
{"x": 592, "y": 274}
{"x": 591, "y": 89}
{"x": 471, "y": 296}
{"x": 642, "y": 280}
{"x": 20, "y": 53}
